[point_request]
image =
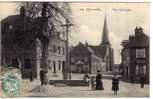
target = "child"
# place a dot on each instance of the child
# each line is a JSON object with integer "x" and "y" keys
{"x": 92, "y": 82}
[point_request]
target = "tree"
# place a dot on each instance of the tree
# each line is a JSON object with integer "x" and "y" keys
{"x": 45, "y": 20}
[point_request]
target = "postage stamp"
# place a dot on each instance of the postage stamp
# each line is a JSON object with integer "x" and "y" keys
{"x": 75, "y": 49}
{"x": 11, "y": 82}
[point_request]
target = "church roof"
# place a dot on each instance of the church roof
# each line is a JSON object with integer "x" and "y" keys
{"x": 81, "y": 49}
{"x": 105, "y": 39}
{"x": 99, "y": 50}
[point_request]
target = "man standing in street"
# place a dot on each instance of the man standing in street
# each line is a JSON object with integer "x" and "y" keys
{"x": 41, "y": 73}
{"x": 142, "y": 80}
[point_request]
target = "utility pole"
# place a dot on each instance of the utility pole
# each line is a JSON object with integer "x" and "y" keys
{"x": 67, "y": 25}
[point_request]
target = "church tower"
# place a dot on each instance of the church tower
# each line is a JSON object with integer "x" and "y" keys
{"x": 105, "y": 44}
{"x": 105, "y": 39}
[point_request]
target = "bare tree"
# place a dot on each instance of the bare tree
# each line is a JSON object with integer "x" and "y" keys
{"x": 45, "y": 20}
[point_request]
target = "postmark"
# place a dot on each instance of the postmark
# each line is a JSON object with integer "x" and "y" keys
{"x": 11, "y": 82}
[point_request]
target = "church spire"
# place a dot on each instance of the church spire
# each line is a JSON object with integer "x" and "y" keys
{"x": 105, "y": 39}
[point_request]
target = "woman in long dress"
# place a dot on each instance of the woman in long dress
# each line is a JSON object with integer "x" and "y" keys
{"x": 99, "y": 83}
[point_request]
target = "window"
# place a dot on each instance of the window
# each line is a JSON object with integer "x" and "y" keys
{"x": 54, "y": 67}
{"x": 63, "y": 66}
{"x": 63, "y": 50}
{"x": 140, "y": 53}
{"x": 137, "y": 70}
{"x": 140, "y": 69}
{"x": 54, "y": 48}
{"x": 27, "y": 63}
{"x": 59, "y": 50}
{"x": 59, "y": 64}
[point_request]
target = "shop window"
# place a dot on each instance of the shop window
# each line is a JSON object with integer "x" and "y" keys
{"x": 140, "y": 53}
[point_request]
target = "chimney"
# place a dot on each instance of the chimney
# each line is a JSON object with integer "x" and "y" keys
{"x": 22, "y": 11}
{"x": 86, "y": 44}
{"x": 141, "y": 29}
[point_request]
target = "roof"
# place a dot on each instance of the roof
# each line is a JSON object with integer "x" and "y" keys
{"x": 81, "y": 49}
{"x": 99, "y": 50}
{"x": 141, "y": 40}
{"x": 105, "y": 38}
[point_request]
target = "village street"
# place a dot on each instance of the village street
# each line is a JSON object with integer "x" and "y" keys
{"x": 126, "y": 90}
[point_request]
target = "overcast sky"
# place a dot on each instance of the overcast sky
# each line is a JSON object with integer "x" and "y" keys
{"x": 122, "y": 18}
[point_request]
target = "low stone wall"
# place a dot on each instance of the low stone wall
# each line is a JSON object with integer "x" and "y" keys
{"x": 70, "y": 82}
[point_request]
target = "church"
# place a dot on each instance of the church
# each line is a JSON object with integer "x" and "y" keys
{"x": 103, "y": 52}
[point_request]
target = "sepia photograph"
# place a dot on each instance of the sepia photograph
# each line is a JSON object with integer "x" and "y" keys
{"x": 75, "y": 49}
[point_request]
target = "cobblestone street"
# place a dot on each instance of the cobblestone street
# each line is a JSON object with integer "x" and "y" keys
{"x": 126, "y": 90}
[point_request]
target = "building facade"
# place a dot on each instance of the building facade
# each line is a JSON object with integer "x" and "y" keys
{"x": 125, "y": 60}
{"x": 84, "y": 60}
{"x": 21, "y": 49}
{"x": 18, "y": 48}
{"x": 105, "y": 50}
{"x": 135, "y": 57}
{"x": 103, "y": 53}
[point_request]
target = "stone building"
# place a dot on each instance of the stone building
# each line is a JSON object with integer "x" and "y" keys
{"x": 125, "y": 53}
{"x": 103, "y": 52}
{"x": 135, "y": 57}
{"x": 83, "y": 59}
{"x": 20, "y": 48}
{"x": 56, "y": 57}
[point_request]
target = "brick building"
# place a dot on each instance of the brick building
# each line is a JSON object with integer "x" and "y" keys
{"x": 135, "y": 56}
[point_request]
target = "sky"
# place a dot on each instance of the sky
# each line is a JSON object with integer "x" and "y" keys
{"x": 122, "y": 18}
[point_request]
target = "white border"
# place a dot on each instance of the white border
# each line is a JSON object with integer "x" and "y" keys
{"x": 138, "y": 1}
{"x": 151, "y": 32}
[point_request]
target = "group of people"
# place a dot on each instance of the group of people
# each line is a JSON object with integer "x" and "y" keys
{"x": 97, "y": 83}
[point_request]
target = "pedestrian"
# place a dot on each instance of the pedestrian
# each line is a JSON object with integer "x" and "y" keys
{"x": 115, "y": 84}
{"x": 99, "y": 83}
{"x": 41, "y": 73}
{"x": 142, "y": 80}
{"x": 45, "y": 77}
{"x": 132, "y": 80}
{"x": 86, "y": 77}
{"x": 31, "y": 76}
{"x": 92, "y": 82}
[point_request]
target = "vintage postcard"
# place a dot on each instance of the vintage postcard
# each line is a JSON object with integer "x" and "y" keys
{"x": 75, "y": 49}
